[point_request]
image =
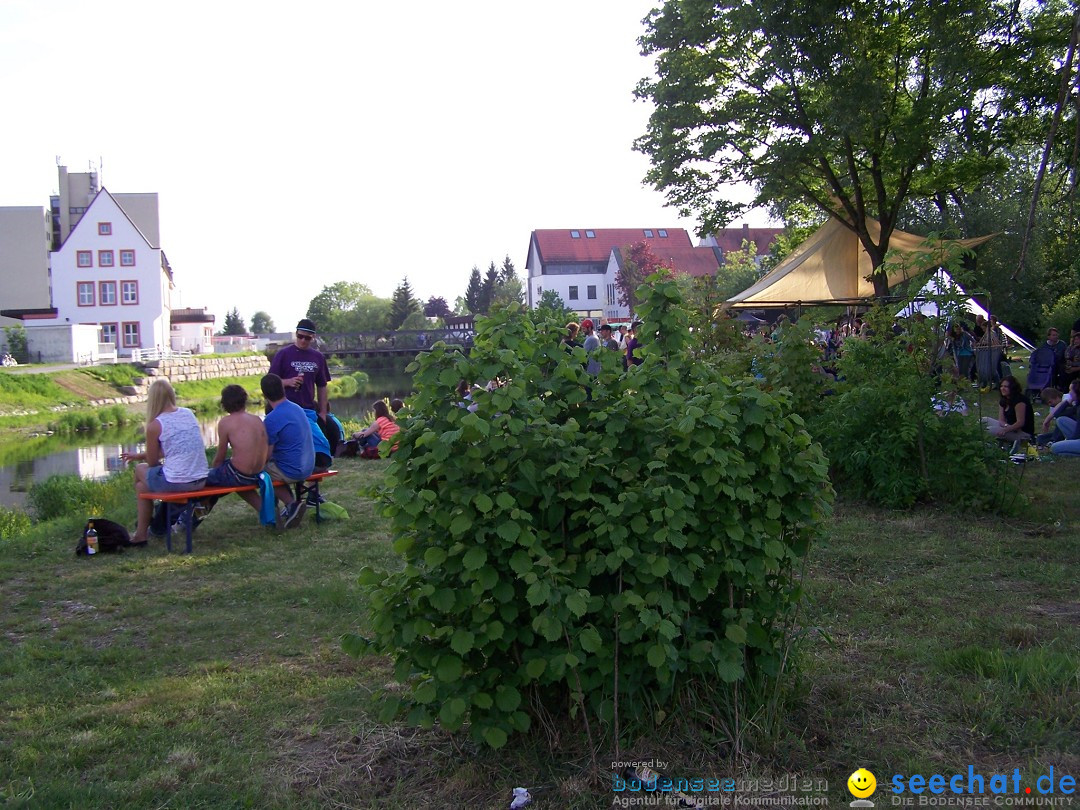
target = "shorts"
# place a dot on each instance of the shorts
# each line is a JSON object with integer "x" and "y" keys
{"x": 275, "y": 472}
{"x": 155, "y": 482}
{"x": 228, "y": 476}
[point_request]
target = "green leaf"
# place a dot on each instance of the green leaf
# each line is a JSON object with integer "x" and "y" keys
{"x": 474, "y": 558}
{"x": 494, "y": 736}
{"x": 590, "y": 640}
{"x": 355, "y": 645}
{"x": 434, "y": 557}
{"x": 369, "y": 576}
{"x": 462, "y": 641}
{"x": 535, "y": 667}
{"x": 449, "y": 668}
{"x": 657, "y": 656}
{"x": 505, "y": 500}
{"x": 507, "y": 698}
{"x": 509, "y": 531}
{"x": 483, "y": 503}
{"x": 443, "y": 600}
{"x": 577, "y": 603}
{"x": 735, "y": 633}
{"x": 482, "y": 700}
{"x": 460, "y": 524}
{"x": 425, "y": 693}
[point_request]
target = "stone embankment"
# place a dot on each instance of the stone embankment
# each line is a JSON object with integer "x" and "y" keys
{"x": 185, "y": 369}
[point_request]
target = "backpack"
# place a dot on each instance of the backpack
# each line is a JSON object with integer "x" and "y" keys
{"x": 111, "y": 536}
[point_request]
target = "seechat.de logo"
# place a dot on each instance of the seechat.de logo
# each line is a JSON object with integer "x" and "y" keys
{"x": 862, "y": 785}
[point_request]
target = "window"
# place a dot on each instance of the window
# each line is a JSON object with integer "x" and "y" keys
{"x": 573, "y": 293}
{"x": 611, "y": 295}
{"x": 648, "y": 234}
{"x": 104, "y": 229}
{"x": 127, "y": 258}
{"x": 129, "y": 292}
{"x": 663, "y": 233}
{"x": 131, "y": 335}
{"x": 108, "y": 333}
{"x": 575, "y": 234}
{"x": 86, "y": 293}
{"x": 85, "y": 258}
{"x": 591, "y": 289}
{"x": 105, "y": 258}
{"x": 590, "y": 234}
{"x": 107, "y": 293}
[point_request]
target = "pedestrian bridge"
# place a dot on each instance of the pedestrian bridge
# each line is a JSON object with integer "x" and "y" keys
{"x": 402, "y": 343}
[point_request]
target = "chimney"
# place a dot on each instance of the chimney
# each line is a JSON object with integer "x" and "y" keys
{"x": 746, "y": 232}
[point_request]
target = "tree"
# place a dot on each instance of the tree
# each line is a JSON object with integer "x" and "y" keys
{"x": 234, "y": 324}
{"x": 507, "y": 292}
{"x": 436, "y": 308}
{"x": 551, "y": 302}
{"x": 403, "y": 304}
{"x": 492, "y": 280}
{"x": 327, "y": 307}
{"x": 261, "y": 323}
{"x": 853, "y": 112}
{"x": 474, "y": 293}
{"x": 638, "y": 263}
{"x": 508, "y": 273}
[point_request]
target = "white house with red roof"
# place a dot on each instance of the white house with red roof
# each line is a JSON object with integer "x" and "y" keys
{"x": 107, "y": 273}
{"x": 582, "y": 265}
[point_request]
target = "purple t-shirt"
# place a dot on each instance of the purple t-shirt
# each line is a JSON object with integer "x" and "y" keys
{"x": 292, "y": 361}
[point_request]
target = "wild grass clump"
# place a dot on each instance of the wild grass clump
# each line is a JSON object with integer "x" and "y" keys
{"x": 66, "y": 495}
{"x": 117, "y": 375}
{"x": 97, "y": 419}
{"x": 27, "y": 392}
{"x": 13, "y": 523}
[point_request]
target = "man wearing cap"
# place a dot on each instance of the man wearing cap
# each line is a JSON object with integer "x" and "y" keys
{"x": 303, "y": 370}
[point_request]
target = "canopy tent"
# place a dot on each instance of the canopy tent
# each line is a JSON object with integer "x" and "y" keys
{"x": 831, "y": 267}
{"x": 940, "y": 284}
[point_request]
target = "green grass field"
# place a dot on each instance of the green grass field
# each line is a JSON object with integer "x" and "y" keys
{"x": 929, "y": 641}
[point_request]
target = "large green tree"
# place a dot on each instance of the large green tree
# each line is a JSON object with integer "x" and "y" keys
{"x": 234, "y": 323}
{"x": 403, "y": 304}
{"x": 853, "y": 107}
{"x": 261, "y": 323}
{"x": 348, "y": 306}
{"x": 474, "y": 293}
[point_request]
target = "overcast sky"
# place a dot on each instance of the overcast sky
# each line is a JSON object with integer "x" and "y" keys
{"x": 295, "y": 145}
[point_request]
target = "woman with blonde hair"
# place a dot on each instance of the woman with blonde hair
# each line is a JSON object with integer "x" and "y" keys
{"x": 175, "y": 456}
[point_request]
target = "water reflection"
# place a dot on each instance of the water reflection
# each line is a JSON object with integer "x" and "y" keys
{"x": 26, "y": 459}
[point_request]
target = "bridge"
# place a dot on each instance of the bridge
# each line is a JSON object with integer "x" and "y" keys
{"x": 402, "y": 343}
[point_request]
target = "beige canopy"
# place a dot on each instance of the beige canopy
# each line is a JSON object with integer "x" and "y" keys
{"x": 831, "y": 266}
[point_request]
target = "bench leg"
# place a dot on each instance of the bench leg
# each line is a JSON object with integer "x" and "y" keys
{"x": 175, "y": 512}
{"x": 305, "y": 490}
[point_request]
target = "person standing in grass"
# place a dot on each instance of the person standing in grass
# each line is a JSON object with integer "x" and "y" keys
{"x": 175, "y": 455}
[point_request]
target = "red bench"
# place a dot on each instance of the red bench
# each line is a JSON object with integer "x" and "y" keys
{"x": 181, "y": 505}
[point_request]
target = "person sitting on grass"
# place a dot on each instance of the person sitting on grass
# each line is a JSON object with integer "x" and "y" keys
{"x": 1063, "y": 410}
{"x": 1016, "y": 418}
{"x": 290, "y": 449}
{"x": 383, "y": 428}
{"x": 175, "y": 456}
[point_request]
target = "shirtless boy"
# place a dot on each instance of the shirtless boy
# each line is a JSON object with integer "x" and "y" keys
{"x": 245, "y": 434}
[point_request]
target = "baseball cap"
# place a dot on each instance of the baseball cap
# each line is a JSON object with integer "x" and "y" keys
{"x": 605, "y": 326}
{"x": 587, "y": 323}
{"x": 306, "y": 325}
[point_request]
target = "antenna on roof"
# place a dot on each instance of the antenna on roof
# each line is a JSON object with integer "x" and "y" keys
{"x": 57, "y": 160}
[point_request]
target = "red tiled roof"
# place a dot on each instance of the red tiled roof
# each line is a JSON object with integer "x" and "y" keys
{"x": 731, "y": 239}
{"x": 557, "y": 245}
{"x": 692, "y": 261}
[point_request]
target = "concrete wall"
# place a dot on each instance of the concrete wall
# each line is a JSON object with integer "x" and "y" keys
{"x": 182, "y": 369}
{"x": 62, "y": 343}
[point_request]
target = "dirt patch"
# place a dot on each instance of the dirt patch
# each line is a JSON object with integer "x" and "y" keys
{"x": 1062, "y": 611}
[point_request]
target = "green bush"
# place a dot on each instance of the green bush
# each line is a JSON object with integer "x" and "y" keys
{"x": 883, "y": 438}
{"x": 64, "y": 495}
{"x": 1063, "y": 314}
{"x": 90, "y": 420}
{"x": 15, "y": 337}
{"x": 343, "y": 387}
{"x": 568, "y": 554}
{"x": 13, "y": 522}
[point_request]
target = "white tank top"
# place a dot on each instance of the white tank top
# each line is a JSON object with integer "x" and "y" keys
{"x": 183, "y": 448}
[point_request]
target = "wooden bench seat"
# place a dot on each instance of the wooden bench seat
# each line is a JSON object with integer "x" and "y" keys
{"x": 181, "y": 505}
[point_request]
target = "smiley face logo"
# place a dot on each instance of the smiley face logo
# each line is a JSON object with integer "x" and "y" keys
{"x": 862, "y": 783}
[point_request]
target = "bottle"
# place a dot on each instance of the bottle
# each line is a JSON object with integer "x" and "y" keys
{"x": 91, "y": 539}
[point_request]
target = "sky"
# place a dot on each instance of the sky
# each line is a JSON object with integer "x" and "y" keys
{"x": 294, "y": 145}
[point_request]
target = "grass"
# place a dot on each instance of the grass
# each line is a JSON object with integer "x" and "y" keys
{"x": 929, "y": 641}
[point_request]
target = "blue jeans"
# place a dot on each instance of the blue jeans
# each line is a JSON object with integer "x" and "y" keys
{"x": 1069, "y": 447}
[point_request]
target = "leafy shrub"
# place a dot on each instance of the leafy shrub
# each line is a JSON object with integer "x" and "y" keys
{"x": 562, "y": 553}
{"x": 885, "y": 441}
{"x": 1063, "y": 314}
{"x": 13, "y": 522}
{"x": 343, "y": 387}
{"x": 90, "y": 420}
{"x": 15, "y": 337}
{"x": 64, "y": 495}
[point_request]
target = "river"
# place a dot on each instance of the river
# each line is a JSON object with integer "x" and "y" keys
{"x": 97, "y": 455}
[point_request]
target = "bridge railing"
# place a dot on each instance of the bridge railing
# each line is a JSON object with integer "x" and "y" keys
{"x": 401, "y": 340}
